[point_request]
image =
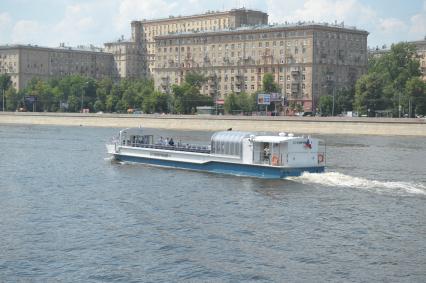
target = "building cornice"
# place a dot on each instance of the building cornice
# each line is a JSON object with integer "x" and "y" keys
{"x": 263, "y": 29}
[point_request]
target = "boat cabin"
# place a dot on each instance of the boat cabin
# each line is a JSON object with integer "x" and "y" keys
{"x": 134, "y": 137}
{"x": 279, "y": 150}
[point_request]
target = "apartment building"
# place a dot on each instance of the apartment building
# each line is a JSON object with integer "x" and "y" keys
{"x": 136, "y": 57}
{"x": 24, "y": 62}
{"x": 307, "y": 60}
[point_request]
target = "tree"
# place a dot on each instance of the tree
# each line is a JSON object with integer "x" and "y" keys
{"x": 13, "y": 99}
{"x": 5, "y": 84}
{"x": 415, "y": 91}
{"x": 269, "y": 84}
{"x": 73, "y": 103}
{"x": 394, "y": 70}
{"x": 326, "y": 105}
{"x": 187, "y": 96}
{"x": 231, "y": 104}
{"x": 344, "y": 100}
{"x": 240, "y": 102}
{"x": 195, "y": 79}
{"x": 369, "y": 94}
{"x": 99, "y": 106}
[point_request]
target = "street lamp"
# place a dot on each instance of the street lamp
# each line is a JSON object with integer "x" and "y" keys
{"x": 82, "y": 95}
{"x": 334, "y": 94}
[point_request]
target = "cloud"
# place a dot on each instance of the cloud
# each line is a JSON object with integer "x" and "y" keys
{"x": 25, "y": 32}
{"x": 351, "y": 11}
{"x": 136, "y": 10}
{"x": 77, "y": 22}
{"x": 418, "y": 24}
{"x": 392, "y": 25}
{"x": 5, "y": 24}
{"x": 5, "y": 20}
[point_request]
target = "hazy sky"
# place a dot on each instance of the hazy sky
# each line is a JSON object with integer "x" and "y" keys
{"x": 78, "y": 22}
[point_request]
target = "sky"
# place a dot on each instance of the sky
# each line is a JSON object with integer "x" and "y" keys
{"x": 85, "y": 22}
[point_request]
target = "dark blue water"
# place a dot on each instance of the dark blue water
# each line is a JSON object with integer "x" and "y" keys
{"x": 68, "y": 214}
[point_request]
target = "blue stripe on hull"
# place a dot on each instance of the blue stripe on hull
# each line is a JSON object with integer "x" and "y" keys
{"x": 226, "y": 168}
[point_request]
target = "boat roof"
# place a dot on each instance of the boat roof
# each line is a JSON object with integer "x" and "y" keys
{"x": 274, "y": 139}
{"x": 132, "y": 131}
{"x": 230, "y": 136}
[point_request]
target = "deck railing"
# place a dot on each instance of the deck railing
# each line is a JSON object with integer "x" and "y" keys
{"x": 187, "y": 147}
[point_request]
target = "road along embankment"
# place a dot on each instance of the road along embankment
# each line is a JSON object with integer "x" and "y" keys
{"x": 306, "y": 125}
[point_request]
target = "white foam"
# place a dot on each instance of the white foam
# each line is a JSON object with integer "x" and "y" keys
{"x": 109, "y": 158}
{"x": 336, "y": 179}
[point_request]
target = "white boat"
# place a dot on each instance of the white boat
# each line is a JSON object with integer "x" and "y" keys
{"x": 229, "y": 152}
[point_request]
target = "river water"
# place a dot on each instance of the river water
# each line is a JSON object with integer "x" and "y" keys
{"x": 69, "y": 214}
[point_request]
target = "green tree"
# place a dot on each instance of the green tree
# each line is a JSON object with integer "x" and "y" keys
{"x": 394, "y": 70}
{"x": 13, "y": 99}
{"x": 195, "y": 79}
{"x": 187, "y": 96}
{"x": 269, "y": 84}
{"x": 326, "y": 105}
{"x": 369, "y": 94}
{"x": 129, "y": 98}
{"x": 73, "y": 103}
{"x": 99, "y": 106}
{"x": 239, "y": 102}
{"x": 5, "y": 84}
{"x": 231, "y": 104}
{"x": 415, "y": 91}
{"x": 344, "y": 100}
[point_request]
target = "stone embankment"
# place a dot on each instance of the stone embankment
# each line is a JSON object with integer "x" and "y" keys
{"x": 306, "y": 125}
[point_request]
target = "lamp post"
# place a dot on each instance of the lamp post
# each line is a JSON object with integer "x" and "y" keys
{"x": 81, "y": 108}
{"x": 334, "y": 94}
{"x": 399, "y": 105}
{"x": 82, "y": 95}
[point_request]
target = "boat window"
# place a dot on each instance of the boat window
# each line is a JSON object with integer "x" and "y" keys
{"x": 228, "y": 143}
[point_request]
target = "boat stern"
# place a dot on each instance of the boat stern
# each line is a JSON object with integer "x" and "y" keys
{"x": 111, "y": 149}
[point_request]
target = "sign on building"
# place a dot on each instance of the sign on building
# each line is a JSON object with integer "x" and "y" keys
{"x": 275, "y": 97}
{"x": 263, "y": 99}
{"x": 30, "y": 98}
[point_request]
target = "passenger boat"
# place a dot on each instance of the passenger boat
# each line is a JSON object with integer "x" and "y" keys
{"x": 229, "y": 152}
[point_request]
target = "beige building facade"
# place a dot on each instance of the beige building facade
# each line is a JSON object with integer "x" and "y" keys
{"x": 136, "y": 57}
{"x": 24, "y": 62}
{"x": 307, "y": 60}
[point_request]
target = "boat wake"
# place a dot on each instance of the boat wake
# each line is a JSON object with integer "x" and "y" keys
{"x": 336, "y": 179}
{"x": 109, "y": 159}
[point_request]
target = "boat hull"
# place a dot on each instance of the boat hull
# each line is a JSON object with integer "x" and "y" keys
{"x": 249, "y": 170}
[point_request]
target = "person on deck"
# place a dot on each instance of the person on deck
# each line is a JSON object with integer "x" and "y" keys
{"x": 171, "y": 142}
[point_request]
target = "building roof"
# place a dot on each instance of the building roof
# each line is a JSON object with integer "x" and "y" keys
{"x": 263, "y": 28}
{"x": 81, "y": 48}
{"x": 206, "y": 14}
